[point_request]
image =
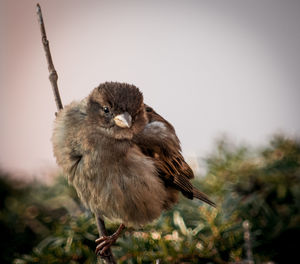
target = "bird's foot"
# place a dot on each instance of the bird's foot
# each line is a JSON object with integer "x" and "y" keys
{"x": 105, "y": 242}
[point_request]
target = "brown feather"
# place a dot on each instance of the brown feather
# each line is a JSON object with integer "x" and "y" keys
{"x": 203, "y": 197}
{"x": 162, "y": 144}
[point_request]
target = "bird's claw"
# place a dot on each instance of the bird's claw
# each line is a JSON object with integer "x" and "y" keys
{"x": 104, "y": 243}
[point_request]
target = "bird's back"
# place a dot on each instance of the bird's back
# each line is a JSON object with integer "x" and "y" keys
{"x": 159, "y": 141}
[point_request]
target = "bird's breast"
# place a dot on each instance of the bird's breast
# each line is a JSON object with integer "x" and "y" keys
{"x": 124, "y": 187}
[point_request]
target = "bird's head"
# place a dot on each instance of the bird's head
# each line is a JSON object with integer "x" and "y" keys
{"x": 117, "y": 109}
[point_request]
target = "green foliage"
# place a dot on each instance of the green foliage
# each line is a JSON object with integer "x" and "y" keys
{"x": 47, "y": 224}
{"x": 71, "y": 242}
{"x": 263, "y": 188}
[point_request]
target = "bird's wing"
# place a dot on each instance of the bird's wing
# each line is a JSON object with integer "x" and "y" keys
{"x": 159, "y": 141}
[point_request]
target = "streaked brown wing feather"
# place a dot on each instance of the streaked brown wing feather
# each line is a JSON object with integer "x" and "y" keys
{"x": 166, "y": 153}
{"x": 167, "y": 156}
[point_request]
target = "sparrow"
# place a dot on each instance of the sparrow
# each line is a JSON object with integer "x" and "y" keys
{"x": 123, "y": 158}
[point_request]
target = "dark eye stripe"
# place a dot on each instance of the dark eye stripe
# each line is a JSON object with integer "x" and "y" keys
{"x": 110, "y": 104}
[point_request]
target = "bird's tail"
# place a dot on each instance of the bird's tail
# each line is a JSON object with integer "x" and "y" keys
{"x": 203, "y": 197}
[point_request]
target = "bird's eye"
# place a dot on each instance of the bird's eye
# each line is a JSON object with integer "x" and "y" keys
{"x": 106, "y": 109}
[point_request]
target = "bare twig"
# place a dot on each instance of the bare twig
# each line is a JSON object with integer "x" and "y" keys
{"x": 53, "y": 79}
{"x": 247, "y": 238}
{"x": 53, "y": 74}
{"x": 109, "y": 259}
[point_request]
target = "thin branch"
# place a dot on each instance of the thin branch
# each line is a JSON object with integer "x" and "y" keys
{"x": 53, "y": 79}
{"x": 109, "y": 259}
{"x": 53, "y": 74}
{"x": 247, "y": 238}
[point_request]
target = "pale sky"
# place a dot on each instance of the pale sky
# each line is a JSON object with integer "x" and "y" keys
{"x": 209, "y": 67}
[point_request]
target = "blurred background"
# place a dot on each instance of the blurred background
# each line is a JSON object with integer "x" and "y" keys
{"x": 224, "y": 73}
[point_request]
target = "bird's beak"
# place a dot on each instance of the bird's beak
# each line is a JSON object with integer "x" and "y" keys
{"x": 123, "y": 120}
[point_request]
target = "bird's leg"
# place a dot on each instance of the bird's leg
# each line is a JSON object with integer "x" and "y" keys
{"x": 105, "y": 242}
{"x": 108, "y": 258}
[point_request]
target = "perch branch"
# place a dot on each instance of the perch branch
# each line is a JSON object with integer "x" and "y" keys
{"x": 109, "y": 259}
{"x": 247, "y": 238}
{"x": 53, "y": 74}
{"x": 53, "y": 79}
